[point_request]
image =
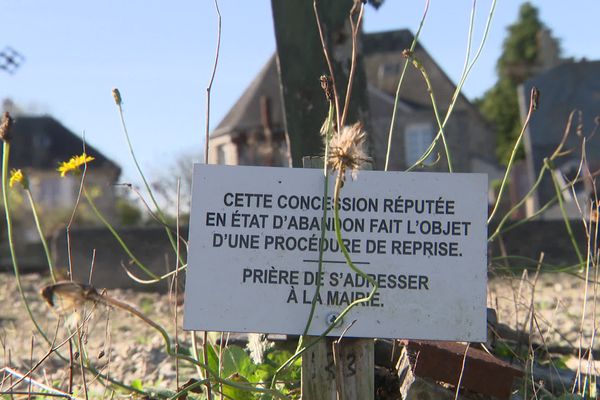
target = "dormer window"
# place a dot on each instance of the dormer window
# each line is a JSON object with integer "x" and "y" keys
{"x": 41, "y": 141}
{"x": 417, "y": 138}
{"x": 389, "y": 70}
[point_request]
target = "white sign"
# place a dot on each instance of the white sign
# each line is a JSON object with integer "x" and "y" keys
{"x": 255, "y": 234}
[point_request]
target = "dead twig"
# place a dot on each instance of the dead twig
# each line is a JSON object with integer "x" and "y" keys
{"x": 52, "y": 349}
{"x": 355, "y": 30}
{"x": 208, "y": 90}
{"x": 70, "y": 387}
{"x": 81, "y": 355}
{"x": 531, "y": 316}
{"x": 337, "y": 361}
{"x": 31, "y": 361}
{"x": 177, "y": 289}
{"x": 329, "y": 65}
{"x": 533, "y": 104}
{"x": 49, "y": 391}
{"x": 75, "y": 207}
{"x": 462, "y": 370}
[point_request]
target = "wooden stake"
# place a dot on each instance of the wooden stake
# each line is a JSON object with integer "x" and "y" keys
{"x": 301, "y": 63}
{"x": 337, "y": 369}
{"x": 354, "y": 372}
{"x": 305, "y": 110}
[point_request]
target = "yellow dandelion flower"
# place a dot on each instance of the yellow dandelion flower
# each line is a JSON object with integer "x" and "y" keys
{"x": 73, "y": 164}
{"x": 17, "y": 176}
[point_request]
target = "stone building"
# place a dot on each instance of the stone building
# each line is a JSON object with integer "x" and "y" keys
{"x": 39, "y": 144}
{"x": 253, "y": 131}
{"x": 571, "y": 87}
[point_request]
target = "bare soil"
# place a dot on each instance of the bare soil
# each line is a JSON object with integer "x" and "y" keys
{"x": 130, "y": 351}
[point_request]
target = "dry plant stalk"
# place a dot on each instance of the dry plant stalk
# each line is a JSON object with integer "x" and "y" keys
{"x": 5, "y": 127}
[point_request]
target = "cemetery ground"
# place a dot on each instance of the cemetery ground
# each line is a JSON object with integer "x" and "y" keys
{"x": 131, "y": 351}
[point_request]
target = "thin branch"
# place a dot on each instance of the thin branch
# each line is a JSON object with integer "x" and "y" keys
{"x": 11, "y": 243}
{"x": 207, "y": 371}
{"x": 52, "y": 349}
{"x": 112, "y": 230}
{"x": 329, "y": 65}
{"x": 210, "y": 83}
{"x": 148, "y": 209}
{"x": 176, "y": 278}
{"x": 355, "y": 30}
{"x": 38, "y": 226}
{"x": 148, "y": 281}
{"x": 119, "y": 103}
{"x": 397, "y": 97}
{"x": 462, "y": 80}
{"x": 532, "y": 107}
{"x": 75, "y": 206}
{"x": 462, "y": 370}
{"x": 81, "y": 366}
{"x": 206, "y": 147}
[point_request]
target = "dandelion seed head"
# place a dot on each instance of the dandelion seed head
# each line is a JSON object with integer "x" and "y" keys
{"x": 117, "y": 96}
{"x": 347, "y": 150}
{"x": 6, "y": 126}
{"x": 258, "y": 345}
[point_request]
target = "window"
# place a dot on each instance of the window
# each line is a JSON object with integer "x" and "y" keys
{"x": 417, "y": 138}
{"x": 389, "y": 70}
{"x": 221, "y": 155}
{"x": 49, "y": 192}
{"x": 56, "y": 192}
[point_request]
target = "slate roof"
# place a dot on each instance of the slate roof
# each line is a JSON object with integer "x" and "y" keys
{"x": 413, "y": 91}
{"x": 41, "y": 142}
{"x": 567, "y": 87}
{"x": 245, "y": 114}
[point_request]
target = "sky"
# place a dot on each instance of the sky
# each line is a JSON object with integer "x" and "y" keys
{"x": 160, "y": 55}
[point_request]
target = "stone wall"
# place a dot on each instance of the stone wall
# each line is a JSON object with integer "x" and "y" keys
{"x": 531, "y": 238}
{"x": 151, "y": 246}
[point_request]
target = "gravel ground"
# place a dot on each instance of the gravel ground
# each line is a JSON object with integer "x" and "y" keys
{"x": 565, "y": 311}
{"x": 128, "y": 350}
{"x": 117, "y": 343}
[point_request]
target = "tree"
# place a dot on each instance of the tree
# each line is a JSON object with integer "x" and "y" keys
{"x": 522, "y": 57}
{"x": 164, "y": 185}
{"x": 128, "y": 211}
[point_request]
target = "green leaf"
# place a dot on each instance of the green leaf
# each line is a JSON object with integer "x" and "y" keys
{"x": 213, "y": 358}
{"x": 570, "y": 396}
{"x": 262, "y": 373}
{"x": 277, "y": 358}
{"x": 236, "y": 360}
{"x": 235, "y": 393}
{"x": 503, "y": 350}
{"x": 561, "y": 362}
{"x": 137, "y": 384}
